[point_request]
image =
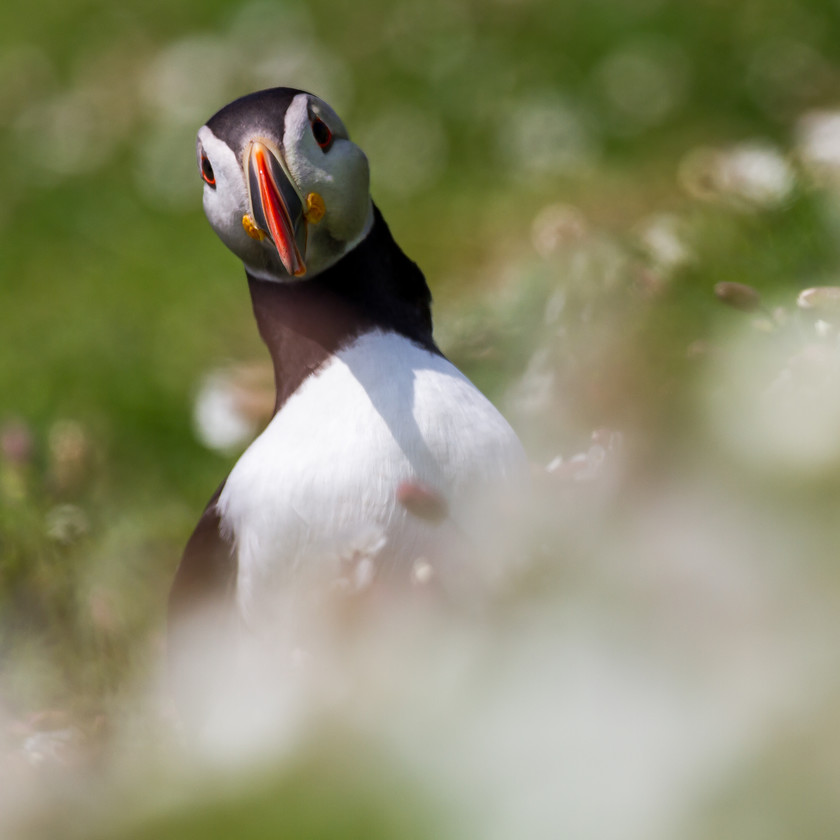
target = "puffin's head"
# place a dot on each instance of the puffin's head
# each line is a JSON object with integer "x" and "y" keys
{"x": 284, "y": 187}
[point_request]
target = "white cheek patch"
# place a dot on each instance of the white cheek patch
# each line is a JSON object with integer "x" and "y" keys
{"x": 228, "y": 201}
{"x": 340, "y": 176}
{"x": 304, "y": 157}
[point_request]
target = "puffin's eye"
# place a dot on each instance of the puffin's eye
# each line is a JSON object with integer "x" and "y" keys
{"x": 207, "y": 171}
{"x": 322, "y": 134}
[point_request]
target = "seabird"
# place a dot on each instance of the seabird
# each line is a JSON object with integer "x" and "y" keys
{"x": 379, "y": 451}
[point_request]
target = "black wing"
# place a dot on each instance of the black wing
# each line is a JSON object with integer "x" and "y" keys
{"x": 202, "y": 617}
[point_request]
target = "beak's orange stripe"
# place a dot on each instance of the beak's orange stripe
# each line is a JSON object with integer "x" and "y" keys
{"x": 277, "y": 216}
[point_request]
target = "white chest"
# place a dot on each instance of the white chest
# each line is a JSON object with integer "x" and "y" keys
{"x": 319, "y": 484}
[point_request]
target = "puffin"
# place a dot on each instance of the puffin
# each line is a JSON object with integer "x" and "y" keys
{"x": 382, "y": 464}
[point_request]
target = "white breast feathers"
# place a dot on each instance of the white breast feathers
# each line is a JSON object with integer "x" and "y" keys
{"x": 318, "y": 488}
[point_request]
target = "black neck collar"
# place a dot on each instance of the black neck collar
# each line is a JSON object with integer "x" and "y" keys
{"x": 374, "y": 286}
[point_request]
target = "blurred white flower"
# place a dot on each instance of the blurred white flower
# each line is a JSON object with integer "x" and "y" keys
{"x": 67, "y": 523}
{"x": 756, "y": 173}
{"x": 777, "y": 406}
{"x": 752, "y": 175}
{"x": 283, "y": 50}
{"x": 546, "y": 135}
{"x": 422, "y": 572}
{"x": 534, "y": 392}
{"x": 818, "y": 145}
{"x": 191, "y": 78}
{"x": 662, "y": 237}
{"x": 603, "y": 454}
{"x": 643, "y": 84}
{"x": 310, "y": 67}
{"x": 557, "y": 225}
{"x": 52, "y": 747}
{"x": 823, "y": 301}
{"x": 70, "y": 133}
{"x": 355, "y": 567}
{"x": 218, "y": 423}
{"x": 231, "y": 405}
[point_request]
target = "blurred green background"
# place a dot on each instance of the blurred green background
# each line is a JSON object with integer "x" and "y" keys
{"x": 574, "y": 177}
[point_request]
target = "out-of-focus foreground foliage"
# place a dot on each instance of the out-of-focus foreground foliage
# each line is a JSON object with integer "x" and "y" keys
{"x": 577, "y": 178}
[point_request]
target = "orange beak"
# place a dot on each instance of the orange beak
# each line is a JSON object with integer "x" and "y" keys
{"x": 276, "y": 207}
